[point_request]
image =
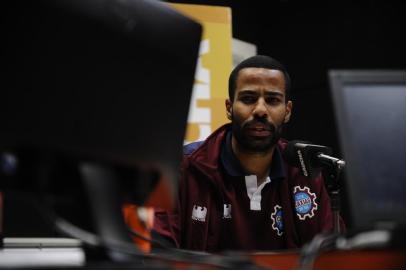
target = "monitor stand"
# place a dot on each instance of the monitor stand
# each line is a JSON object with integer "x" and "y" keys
{"x": 102, "y": 186}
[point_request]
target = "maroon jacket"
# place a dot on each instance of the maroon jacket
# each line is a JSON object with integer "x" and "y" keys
{"x": 215, "y": 212}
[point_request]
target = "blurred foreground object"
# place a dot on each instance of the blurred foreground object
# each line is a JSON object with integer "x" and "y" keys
{"x": 95, "y": 96}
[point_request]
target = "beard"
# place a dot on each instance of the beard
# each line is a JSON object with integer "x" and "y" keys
{"x": 253, "y": 144}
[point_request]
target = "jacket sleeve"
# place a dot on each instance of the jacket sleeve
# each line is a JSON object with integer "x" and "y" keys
{"x": 166, "y": 224}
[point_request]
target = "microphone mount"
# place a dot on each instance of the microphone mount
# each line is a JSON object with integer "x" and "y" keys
{"x": 330, "y": 161}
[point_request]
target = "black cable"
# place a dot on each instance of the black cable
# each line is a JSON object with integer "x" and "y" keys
{"x": 168, "y": 254}
{"x": 319, "y": 244}
{"x": 192, "y": 256}
{"x": 152, "y": 241}
{"x": 199, "y": 257}
{"x": 171, "y": 256}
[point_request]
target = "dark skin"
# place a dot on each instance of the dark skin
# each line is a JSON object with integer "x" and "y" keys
{"x": 259, "y": 93}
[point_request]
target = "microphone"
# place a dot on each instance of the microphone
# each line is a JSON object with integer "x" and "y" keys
{"x": 310, "y": 158}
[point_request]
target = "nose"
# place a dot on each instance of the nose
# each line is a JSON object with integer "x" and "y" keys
{"x": 260, "y": 109}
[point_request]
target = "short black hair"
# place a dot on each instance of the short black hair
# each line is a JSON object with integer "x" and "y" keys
{"x": 258, "y": 61}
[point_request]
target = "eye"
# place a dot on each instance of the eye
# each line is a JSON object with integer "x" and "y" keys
{"x": 248, "y": 99}
{"x": 273, "y": 100}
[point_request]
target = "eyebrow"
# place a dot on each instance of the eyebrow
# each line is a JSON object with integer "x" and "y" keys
{"x": 268, "y": 93}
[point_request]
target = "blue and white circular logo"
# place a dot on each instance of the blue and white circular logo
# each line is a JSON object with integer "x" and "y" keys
{"x": 305, "y": 202}
{"x": 277, "y": 221}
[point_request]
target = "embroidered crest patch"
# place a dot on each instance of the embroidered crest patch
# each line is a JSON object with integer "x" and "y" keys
{"x": 277, "y": 221}
{"x": 305, "y": 202}
{"x": 199, "y": 213}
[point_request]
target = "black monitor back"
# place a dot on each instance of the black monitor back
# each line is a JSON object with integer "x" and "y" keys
{"x": 370, "y": 110}
{"x": 105, "y": 80}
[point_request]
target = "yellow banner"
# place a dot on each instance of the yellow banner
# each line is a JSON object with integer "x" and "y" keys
{"x": 207, "y": 109}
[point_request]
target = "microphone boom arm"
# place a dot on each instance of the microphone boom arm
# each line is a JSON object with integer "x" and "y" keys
{"x": 329, "y": 160}
{"x": 331, "y": 171}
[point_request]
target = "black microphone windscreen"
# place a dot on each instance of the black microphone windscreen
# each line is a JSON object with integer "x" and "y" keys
{"x": 304, "y": 155}
{"x": 290, "y": 152}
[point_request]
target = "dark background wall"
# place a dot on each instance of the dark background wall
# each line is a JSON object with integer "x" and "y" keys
{"x": 311, "y": 38}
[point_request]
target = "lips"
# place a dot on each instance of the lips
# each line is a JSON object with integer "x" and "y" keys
{"x": 259, "y": 133}
{"x": 259, "y": 130}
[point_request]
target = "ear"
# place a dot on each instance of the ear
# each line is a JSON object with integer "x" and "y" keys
{"x": 288, "y": 111}
{"x": 229, "y": 109}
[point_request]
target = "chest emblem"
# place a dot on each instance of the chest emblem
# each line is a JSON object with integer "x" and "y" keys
{"x": 227, "y": 211}
{"x": 199, "y": 213}
{"x": 305, "y": 202}
{"x": 277, "y": 221}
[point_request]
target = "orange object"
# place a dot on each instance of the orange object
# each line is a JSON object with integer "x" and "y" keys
{"x": 140, "y": 220}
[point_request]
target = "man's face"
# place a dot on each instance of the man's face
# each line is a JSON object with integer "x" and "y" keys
{"x": 259, "y": 109}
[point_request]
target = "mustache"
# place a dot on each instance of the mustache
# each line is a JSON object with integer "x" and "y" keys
{"x": 252, "y": 123}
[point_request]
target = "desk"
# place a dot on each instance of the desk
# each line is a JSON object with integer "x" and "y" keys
{"x": 337, "y": 260}
{"x": 39, "y": 252}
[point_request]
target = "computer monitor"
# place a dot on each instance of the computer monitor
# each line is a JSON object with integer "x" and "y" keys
{"x": 102, "y": 81}
{"x": 109, "y": 80}
{"x": 370, "y": 111}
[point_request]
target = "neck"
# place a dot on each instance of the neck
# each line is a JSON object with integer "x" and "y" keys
{"x": 257, "y": 163}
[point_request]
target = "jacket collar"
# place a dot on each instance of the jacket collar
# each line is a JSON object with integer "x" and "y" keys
{"x": 207, "y": 156}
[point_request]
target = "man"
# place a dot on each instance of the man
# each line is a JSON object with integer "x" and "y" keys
{"x": 236, "y": 191}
